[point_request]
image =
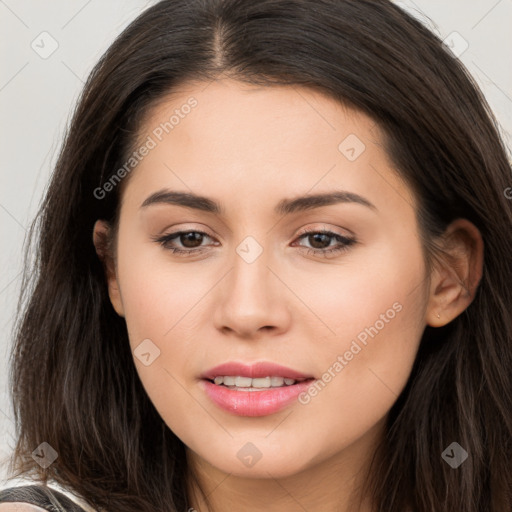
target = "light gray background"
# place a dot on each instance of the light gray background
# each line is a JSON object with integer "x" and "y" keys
{"x": 37, "y": 94}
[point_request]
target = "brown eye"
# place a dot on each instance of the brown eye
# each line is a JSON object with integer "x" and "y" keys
{"x": 190, "y": 241}
{"x": 320, "y": 242}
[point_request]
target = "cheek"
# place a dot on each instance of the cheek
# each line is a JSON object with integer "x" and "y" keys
{"x": 374, "y": 305}
{"x": 165, "y": 301}
{"x": 377, "y": 292}
{"x": 160, "y": 302}
{"x": 157, "y": 294}
{"x": 377, "y": 314}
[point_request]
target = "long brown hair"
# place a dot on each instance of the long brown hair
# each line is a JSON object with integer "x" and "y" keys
{"x": 73, "y": 378}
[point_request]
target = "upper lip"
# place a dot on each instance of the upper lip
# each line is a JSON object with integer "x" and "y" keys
{"x": 255, "y": 370}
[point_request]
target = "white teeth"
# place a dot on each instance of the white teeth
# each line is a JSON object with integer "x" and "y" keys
{"x": 276, "y": 381}
{"x": 229, "y": 381}
{"x": 242, "y": 382}
{"x": 261, "y": 382}
{"x": 247, "y": 382}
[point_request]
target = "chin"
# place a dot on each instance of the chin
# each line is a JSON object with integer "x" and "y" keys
{"x": 246, "y": 460}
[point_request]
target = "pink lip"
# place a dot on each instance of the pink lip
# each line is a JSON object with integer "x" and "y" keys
{"x": 261, "y": 369}
{"x": 254, "y": 403}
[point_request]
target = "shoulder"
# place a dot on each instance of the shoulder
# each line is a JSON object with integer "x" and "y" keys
{"x": 26, "y": 491}
{"x": 19, "y": 507}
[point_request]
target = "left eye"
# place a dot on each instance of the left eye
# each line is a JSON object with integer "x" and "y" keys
{"x": 322, "y": 237}
{"x": 191, "y": 242}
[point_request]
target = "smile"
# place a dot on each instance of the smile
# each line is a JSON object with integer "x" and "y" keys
{"x": 260, "y": 389}
{"x": 257, "y": 384}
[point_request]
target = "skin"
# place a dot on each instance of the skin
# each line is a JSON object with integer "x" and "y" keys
{"x": 19, "y": 507}
{"x": 249, "y": 147}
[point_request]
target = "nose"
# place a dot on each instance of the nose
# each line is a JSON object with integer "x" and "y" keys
{"x": 252, "y": 300}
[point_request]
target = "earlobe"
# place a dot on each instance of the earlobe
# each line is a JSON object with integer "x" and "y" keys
{"x": 101, "y": 240}
{"x": 457, "y": 273}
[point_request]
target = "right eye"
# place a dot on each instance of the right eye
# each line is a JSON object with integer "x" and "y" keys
{"x": 184, "y": 237}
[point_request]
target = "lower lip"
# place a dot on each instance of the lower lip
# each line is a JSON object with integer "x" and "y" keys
{"x": 254, "y": 403}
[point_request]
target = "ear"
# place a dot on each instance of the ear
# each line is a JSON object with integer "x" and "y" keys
{"x": 456, "y": 276}
{"x": 102, "y": 243}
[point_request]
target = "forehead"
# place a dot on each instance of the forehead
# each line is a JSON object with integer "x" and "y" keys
{"x": 226, "y": 135}
{"x": 261, "y": 111}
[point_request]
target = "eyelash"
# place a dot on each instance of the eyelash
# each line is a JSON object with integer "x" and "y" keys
{"x": 345, "y": 241}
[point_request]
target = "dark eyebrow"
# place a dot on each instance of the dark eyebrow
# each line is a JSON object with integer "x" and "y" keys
{"x": 284, "y": 207}
{"x": 186, "y": 199}
{"x": 310, "y": 201}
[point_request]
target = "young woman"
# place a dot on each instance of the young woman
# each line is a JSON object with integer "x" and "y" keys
{"x": 273, "y": 272}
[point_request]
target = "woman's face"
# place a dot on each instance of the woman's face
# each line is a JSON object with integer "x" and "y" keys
{"x": 341, "y": 313}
